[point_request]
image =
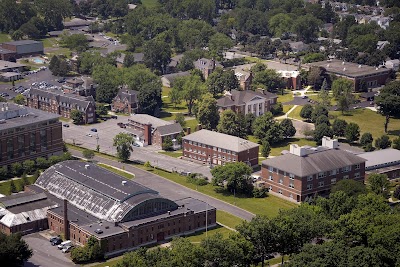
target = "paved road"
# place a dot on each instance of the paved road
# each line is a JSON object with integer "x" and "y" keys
{"x": 104, "y": 136}
{"x": 44, "y": 254}
{"x": 171, "y": 189}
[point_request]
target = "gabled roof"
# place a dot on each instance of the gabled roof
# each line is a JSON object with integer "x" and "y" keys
{"x": 320, "y": 161}
{"x": 238, "y": 98}
{"x": 171, "y": 77}
{"x": 80, "y": 101}
{"x": 221, "y": 140}
{"x": 130, "y": 95}
{"x": 170, "y": 129}
{"x": 205, "y": 63}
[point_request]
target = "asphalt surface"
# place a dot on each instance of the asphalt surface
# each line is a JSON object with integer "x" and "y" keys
{"x": 44, "y": 254}
{"x": 170, "y": 189}
{"x": 106, "y": 131}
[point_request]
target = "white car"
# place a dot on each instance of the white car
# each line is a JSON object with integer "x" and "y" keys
{"x": 90, "y": 135}
{"x": 66, "y": 249}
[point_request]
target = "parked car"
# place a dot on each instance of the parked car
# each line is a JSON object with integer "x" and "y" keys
{"x": 61, "y": 80}
{"x": 65, "y": 244}
{"x": 66, "y": 125}
{"x": 54, "y": 238}
{"x": 184, "y": 173}
{"x": 136, "y": 144}
{"x": 304, "y": 97}
{"x": 114, "y": 117}
{"x": 56, "y": 242}
{"x": 67, "y": 249}
{"x": 94, "y": 130}
{"x": 90, "y": 135}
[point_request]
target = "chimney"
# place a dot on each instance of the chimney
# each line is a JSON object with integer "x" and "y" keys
{"x": 188, "y": 130}
{"x": 199, "y": 127}
{"x": 65, "y": 217}
{"x": 147, "y": 134}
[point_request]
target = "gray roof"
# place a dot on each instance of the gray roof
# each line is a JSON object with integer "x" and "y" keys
{"x": 348, "y": 69}
{"x": 238, "y": 98}
{"x": 205, "y": 63}
{"x": 320, "y": 161}
{"x": 6, "y": 51}
{"x": 170, "y": 129}
{"x": 61, "y": 97}
{"x": 220, "y": 140}
{"x": 9, "y": 74}
{"x": 147, "y": 119}
{"x": 379, "y": 158}
{"x": 22, "y": 42}
{"x": 171, "y": 77}
{"x": 9, "y": 65}
{"x": 17, "y": 116}
{"x": 130, "y": 95}
{"x": 97, "y": 191}
{"x": 19, "y": 199}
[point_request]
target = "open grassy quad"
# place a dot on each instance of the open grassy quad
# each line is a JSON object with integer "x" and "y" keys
{"x": 370, "y": 121}
{"x": 5, "y": 186}
{"x": 295, "y": 114}
{"x": 286, "y": 97}
{"x": 286, "y": 108}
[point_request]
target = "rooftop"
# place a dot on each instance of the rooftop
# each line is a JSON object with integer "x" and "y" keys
{"x": 239, "y": 98}
{"x": 81, "y": 101}
{"x": 321, "y": 160}
{"x": 147, "y": 119}
{"x": 347, "y": 68}
{"x": 379, "y": 158}
{"x": 9, "y": 65}
{"x": 221, "y": 140}
{"x": 22, "y": 42}
{"x": 12, "y": 115}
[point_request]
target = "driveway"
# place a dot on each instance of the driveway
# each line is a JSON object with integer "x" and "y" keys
{"x": 44, "y": 254}
{"x": 104, "y": 138}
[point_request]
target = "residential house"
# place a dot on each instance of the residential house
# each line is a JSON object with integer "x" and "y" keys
{"x": 298, "y": 46}
{"x": 206, "y": 66}
{"x": 306, "y": 171}
{"x": 125, "y": 102}
{"x": 245, "y": 78}
{"x": 83, "y": 86}
{"x": 393, "y": 64}
{"x": 173, "y": 65}
{"x": 58, "y": 102}
{"x": 149, "y": 130}
{"x": 215, "y": 148}
{"x": 246, "y": 102}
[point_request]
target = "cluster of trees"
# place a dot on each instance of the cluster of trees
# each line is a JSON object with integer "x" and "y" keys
{"x": 92, "y": 251}
{"x": 353, "y": 227}
{"x": 13, "y": 250}
{"x": 32, "y": 20}
{"x": 76, "y": 42}
{"x": 389, "y": 101}
{"x": 59, "y": 66}
{"x": 265, "y": 78}
{"x": 123, "y": 143}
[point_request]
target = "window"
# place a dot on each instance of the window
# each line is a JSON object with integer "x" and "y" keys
{"x": 309, "y": 186}
{"x": 291, "y": 176}
{"x": 346, "y": 169}
{"x": 357, "y": 167}
{"x": 321, "y": 175}
{"x": 333, "y": 172}
{"x": 291, "y": 185}
{"x": 271, "y": 169}
{"x": 280, "y": 191}
{"x": 281, "y": 181}
{"x": 333, "y": 181}
{"x": 309, "y": 178}
{"x": 357, "y": 175}
{"x": 321, "y": 184}
{"x": 346, "y": 177}
{"x": 270, "y": 178}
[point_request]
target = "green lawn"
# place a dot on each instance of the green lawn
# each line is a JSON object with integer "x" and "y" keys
{"x": 269, "y": 206}
{"x": 370, "y": 121}
{"x": 125, "y": 174}
{"x": 286, "y": 97}
{"x": 295, "y": 114}
{"x": 5, "y": 186}
{"x": 286, "y": 108}
{"x": 198, "y": 236}
{"x": 4, "y": 38}
{"x": 150, "y": 3}
{"x": 228, "y": 219}
{"x": 192, "y": 124}
{"x": 49, "y": 42}
{"x": 174, "y": 154}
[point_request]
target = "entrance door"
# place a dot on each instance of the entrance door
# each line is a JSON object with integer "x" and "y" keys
{"x": 160, "y": 237}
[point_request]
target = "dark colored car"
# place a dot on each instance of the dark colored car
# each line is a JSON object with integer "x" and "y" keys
{"x": 57, "y": 241}
{"x": 66, "y": 125}
{"x": 114, "y": 117}
{"x": 61, "y": 80}
{"x": 53, "y": 238}
{"x": 94, "y": 130}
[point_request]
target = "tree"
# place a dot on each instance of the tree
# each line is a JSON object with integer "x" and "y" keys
{"x": 350, "y": 187}
{"x": 129, "y": 60}
{"x": 76, "y": 116}
{"x": 14, "y": 250}
{"x": 379, "y": 184}
{"x": 180, "y": 118}
{"x": 215, "y": 82}
{"x": 249, "y": 120}
{"x": 232, "y": 124}
{"x": 157, "y": 55}
{"x": 268, "y": 79}
{"x": 123, "y": 143}
{"x": 287, "y": 128}
{"x": 207, "y": 112}
{"x": 192, "y": 90}
{"x": 321, "y": 131}
{"x": 266, "y": 149}
{"x": 167, "y": 144}
{"x": 3, "y": 172}
{"x": 53, "y": 12}
{"x": 266, "y": 128}
{"x": 322, "y": 119}
{"x": 28, "y": 165}
{"x": 396, "y": 143}
{"x": 19, "y": 99}
{"x": 277, "y": 109}
{"x": 230, "y": 80}
{"x": 101, "y": 109}
{"x": 235, "y": 176}
{"x": 306, "y": 27}
{"x": 383, "y": 142}
{"x": 352, "y": 132}
{"x": 318, "y": 111}
{"x": 175, "y": 96}
{"x": 218, "y": 43}
{"x": 76, "y": 42}
{"x": 13, "y": 188}
{"x": 324, "y": 96}
{"x": 306, "y": 111}
{"x": 315, "y": 77}
{"x": 366, "y": 139}
{"x": 339, "y": 127}
{"x": 280, "y": 24}
{"x": 388, "y": 101}
{"x": 109, "y": 79}
{"x": 343, "y": 104}
{"x": 88, "y": 154}
{"x": 16, "y": 169}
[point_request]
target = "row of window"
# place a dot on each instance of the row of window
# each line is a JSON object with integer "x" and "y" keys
{"x": 321, "y": 174}
{"x": 210, "y": 147}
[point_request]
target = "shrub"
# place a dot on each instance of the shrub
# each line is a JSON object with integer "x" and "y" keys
{"x": 29, "y": 166}
{"x": 197, "y": 179}
{"x": 42, "y": 163}
{"x": 396, "y": 192}
{"x": 260, "y": 192}
{"x": 16, "y": 169}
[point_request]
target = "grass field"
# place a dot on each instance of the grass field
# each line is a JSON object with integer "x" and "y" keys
{"x": 228, "y": 219}
{"x": 150, "y": 3}
{"x": 295, "y": 114}
{"x": 5, "y": 186}
{"x": 4, "y": 38}
{"x": 174, "y": 154}
{"x": 127, "y": 175}
{"x": 286, "y": 97}
{"x": 370, "y": 121}
{"x": 286, "y": 108}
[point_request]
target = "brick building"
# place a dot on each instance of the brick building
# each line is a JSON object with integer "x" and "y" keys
{"x": 149, "y": 130}
{"x": 27, "y": 133}
{"x": 384, "y": 161}
{"x": 246, "y": 102}
{"x": 215, "y": 148}
{"x": 83, "y": 86}
{"x": 245, "y": 78}
{"x": 206, "y": 66}
{"x": 122, "y": 214}
{"x": 125, "y": 102}
{"x": 363, "y": 76}
{"x": 58, "y": 102}
{"x": 18, "y": 49}
{"x": 305, "y": 172}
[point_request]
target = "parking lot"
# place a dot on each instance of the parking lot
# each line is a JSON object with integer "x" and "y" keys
{"x": 44, "y": 254}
